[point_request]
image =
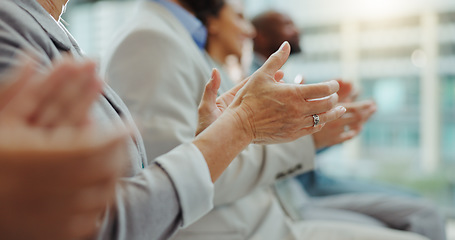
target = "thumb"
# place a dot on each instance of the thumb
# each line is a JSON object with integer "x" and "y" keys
{"x": 211, "y": 89}
{"x": 279, "y": 76}
{"x": 277, "y": 60}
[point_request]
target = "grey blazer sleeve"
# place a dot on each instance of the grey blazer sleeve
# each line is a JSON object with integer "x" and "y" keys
{"x": 162, "y": 198}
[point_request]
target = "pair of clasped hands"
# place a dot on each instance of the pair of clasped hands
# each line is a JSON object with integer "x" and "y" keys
{"x": 58, "y": 168}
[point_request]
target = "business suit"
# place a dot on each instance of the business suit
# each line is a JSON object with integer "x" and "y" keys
{"x": 245, "y": 205}
{"x": 153, "y": 200}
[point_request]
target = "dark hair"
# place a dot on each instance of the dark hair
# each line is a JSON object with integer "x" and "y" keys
{"x": 204, "y": 9}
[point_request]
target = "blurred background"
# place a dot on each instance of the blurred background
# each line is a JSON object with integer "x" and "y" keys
{"x": 401, "y": 53}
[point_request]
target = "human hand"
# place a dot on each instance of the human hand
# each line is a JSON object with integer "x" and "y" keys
{"x": 273, "y": 112}
{"x": 57, "y": 170}
{"x": 62, "y": 97}
{"x": 58, "y": 185}
{"x": 211, "y": 106}
{"x": 347, "y": 92}
{"x": 346, "y": 127}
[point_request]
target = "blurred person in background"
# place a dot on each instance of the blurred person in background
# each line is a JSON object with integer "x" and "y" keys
{"x": 153, "y": 199}
{"x": 245, "y": 204}
{"x": 52, "y": 160}
{"x": 341, "y": 199}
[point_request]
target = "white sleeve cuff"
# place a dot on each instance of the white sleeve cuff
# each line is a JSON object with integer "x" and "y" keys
{"x": 191, "y": 177}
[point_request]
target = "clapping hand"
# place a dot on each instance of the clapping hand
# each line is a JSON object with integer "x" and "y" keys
{"x": 57, "y": 169}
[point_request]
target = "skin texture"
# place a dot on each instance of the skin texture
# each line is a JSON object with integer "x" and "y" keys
{"x": 57, "y": 170}
{"x": 53, "y": 7}
{"x": 228, "y": 26}
{"x": 263, "y": 111}
{"x": 272, "y": 28}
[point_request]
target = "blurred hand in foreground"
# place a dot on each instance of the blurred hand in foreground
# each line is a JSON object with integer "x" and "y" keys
{"x": 57, "y": 170}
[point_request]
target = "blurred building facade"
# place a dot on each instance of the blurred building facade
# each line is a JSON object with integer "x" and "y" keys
{"x": 401, "y": 54}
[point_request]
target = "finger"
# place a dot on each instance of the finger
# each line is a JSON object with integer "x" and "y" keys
{"x": 49, "y": 88}
{"x": 354, "y": 95}
{"x": 347, "y": 119}
{"x": 76, "y": 104}
{"x": 277, "y": 60}
{"x": 324, "y": 118}
{"x": 343, "y": 137}
{"x": 359, "y": 106}
{"x": 80, "y": 114}
{"x": 83, "y": 226}
{"x": 94, "y": 198}
{"x": 308, "y": 131}
{"x": 363, "y": 109}
{"x": 320, "y": 90}
{"x": 19, "y": 79}
{"x": 279, "y": 75}
{"x": 345, "y": 89}
{"x": 211, "y": 90}
{"x": 322, "y": 105}
{"x": 58, "y": 107}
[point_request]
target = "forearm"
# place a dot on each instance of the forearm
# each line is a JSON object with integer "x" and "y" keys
{"x": 222, "y": 142}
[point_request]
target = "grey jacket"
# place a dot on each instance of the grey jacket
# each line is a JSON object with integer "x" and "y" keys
{"x": 154, "y": 199}
{"x": 153, "y": 57}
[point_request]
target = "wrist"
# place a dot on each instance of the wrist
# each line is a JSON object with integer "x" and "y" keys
{"x": 222, "y": 141}
{"x": 317, "y": 143}
{"x": 242, "y": 123}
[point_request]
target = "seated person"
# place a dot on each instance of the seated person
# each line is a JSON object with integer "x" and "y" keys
{"x": 245, "y": 205}
{"x": 154, "y": 198}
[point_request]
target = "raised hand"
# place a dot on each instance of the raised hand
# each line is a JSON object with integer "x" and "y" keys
{"x": 346, "y": 127}
{"x": 57, "y": 170}
{"x": 62, "y": 97}
{"x": 211, "y": 106}
{"x": 273, "y": 112}
{"x": 347, "y": 92}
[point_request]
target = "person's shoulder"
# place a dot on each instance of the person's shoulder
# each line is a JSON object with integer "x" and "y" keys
{"x": 10, "y": 12}
{"x": 156, "y": 19}
{"x": 151, "y": 28}
{"x": 6, "y": 6}
{"x": 14, "y": 18}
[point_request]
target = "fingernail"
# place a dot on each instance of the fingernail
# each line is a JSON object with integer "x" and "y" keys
{"x": 282, "y": 46}
{"x": 342, "y": 109}
{"x": 213, "y": 73}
